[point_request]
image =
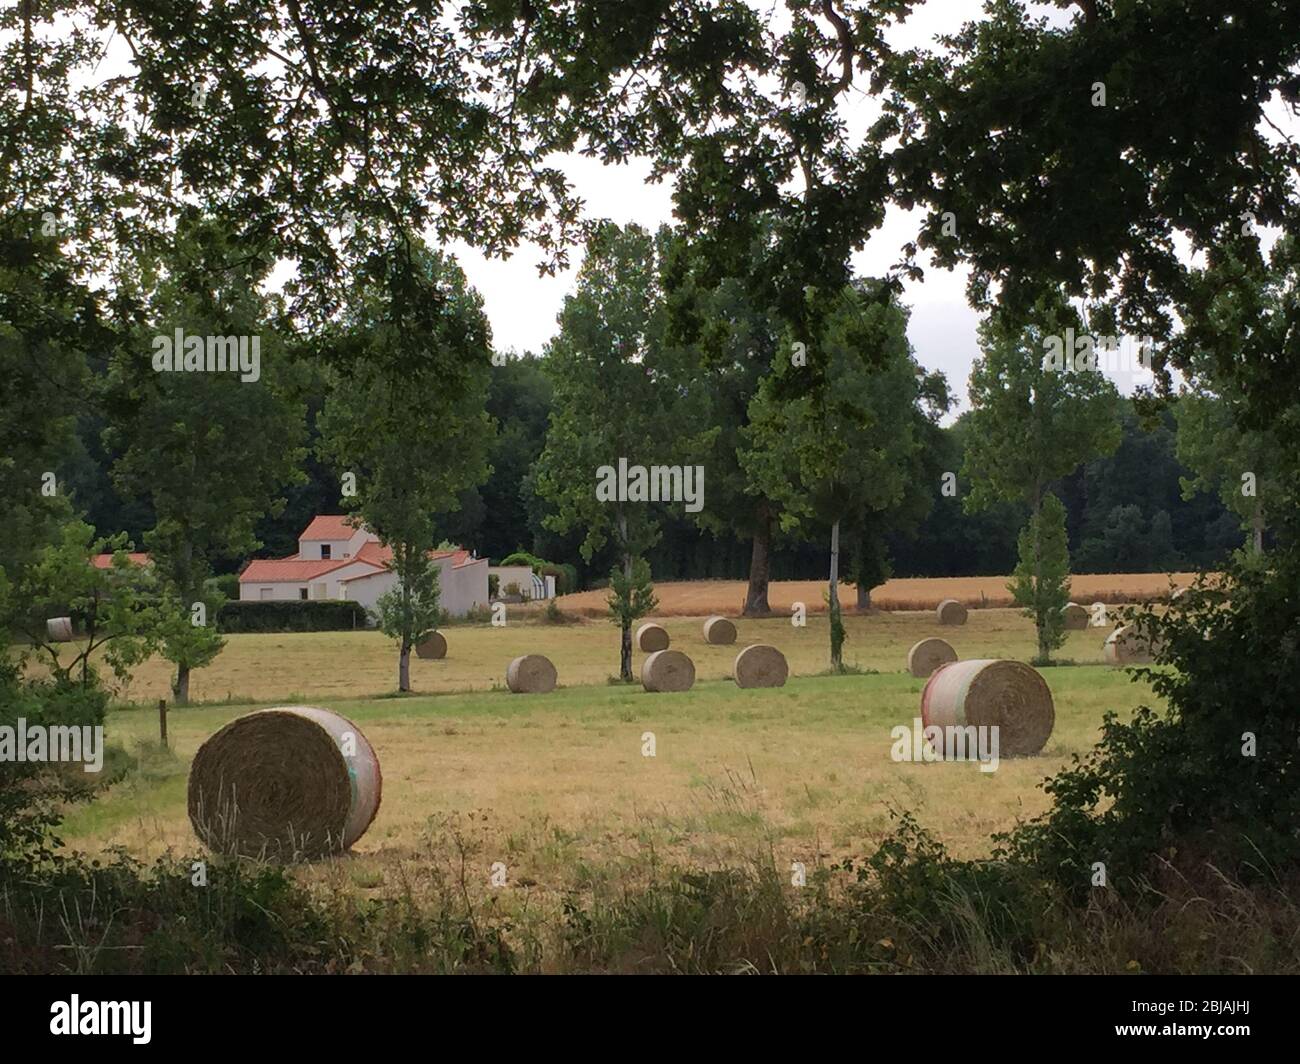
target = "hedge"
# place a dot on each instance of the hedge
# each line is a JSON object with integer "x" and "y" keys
{"x": 300, "y": 615}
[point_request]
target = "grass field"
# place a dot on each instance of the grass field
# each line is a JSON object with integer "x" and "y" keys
{"x": 556, "y": 786}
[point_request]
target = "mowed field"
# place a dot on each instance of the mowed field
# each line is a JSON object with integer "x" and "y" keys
{"x": 689, "y": 598}
{"x": 556, "y": 786}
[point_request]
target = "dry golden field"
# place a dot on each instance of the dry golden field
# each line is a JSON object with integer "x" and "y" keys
{"x": 689, "y": 598}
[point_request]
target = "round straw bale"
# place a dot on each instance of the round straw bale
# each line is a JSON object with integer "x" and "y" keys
{"x": 719, "y": 631}
{"x": 288, "y": 783}
{"x": 928, "y": 655}
{"x": 760, "y": 665}
{"x": 667, "y": 670}
{"x": 1076, "y": 617}
{"x": 532, "y": 674}
{"x": 1008, "y": 695}
{"x": 951, "y": 611}
{"x": 433, "y": 647}
{"x": 60, "y": 629}
{"x": 651, "y": 637}
{"x": 1127, "y": 646}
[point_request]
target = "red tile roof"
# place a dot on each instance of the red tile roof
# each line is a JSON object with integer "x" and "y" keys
{"x": 105, "y": 561}
{"x": 329, "y": 527}
{"x": 289, "y": 570}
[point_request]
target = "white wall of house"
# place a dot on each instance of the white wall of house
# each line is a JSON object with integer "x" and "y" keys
{"x": 311, "y": 549}
{"x": 523, "y": 576}
{"x": 461, "y": 589}
{"x": 326, "y": 586}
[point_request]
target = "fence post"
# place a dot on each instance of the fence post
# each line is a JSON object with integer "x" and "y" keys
{"x": 162, "y": 721}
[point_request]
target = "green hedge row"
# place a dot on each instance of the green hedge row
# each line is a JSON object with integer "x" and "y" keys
{"x": 291, "y": 616}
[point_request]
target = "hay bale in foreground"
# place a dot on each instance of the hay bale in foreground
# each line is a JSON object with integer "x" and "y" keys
{"x": 651, "y": 637}
{"x": 434, "y": 647}
{"x": 928, "y": 655}
{"x": 984, "y": 692}
{"x": 1076, "y": 617}
{"x": 950, "y": 611}
{"x": 667, "y": 670}
{"x": 287, "y": 783}
{"x": 718, "y": 631}
{"x": 60, "y": 629}
{"x": 760, "y": 665}
{"x": 1127, "y": 646}
{"x": 532, "y": 674}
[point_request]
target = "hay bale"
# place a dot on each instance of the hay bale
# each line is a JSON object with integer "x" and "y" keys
{"x": 287, "y": 783}
{"x": 719, "y": 631}
{"x": 60, "y": 629}
{"x": 532, "y": 674}
{"x": 667, "y": 670}
{"x": 760, "y": 665}
{"x": 950, "y": 611}
{"x": 651, "y": 637}
{"x": 1076, "y": 617}
{"x": 928, "y": 655}
{"x": 1127, "y": 646}
{"x": 434, "y": 647}
{"x": 985, "y": 692}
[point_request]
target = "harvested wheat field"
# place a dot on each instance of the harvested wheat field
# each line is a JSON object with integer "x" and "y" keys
{"x": 699, "y": 598}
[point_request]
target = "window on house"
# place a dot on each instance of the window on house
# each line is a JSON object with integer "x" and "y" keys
{"x": 325, "y": 551}
{"x": 302, "y": 593}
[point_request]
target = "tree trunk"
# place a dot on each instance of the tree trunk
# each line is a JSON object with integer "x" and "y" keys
{"x": 864, "y": 597}
{"x": 404, "y": 667}
{"x": 625, "y": 641}
{"x": 1257, "y": 531}
{"x": 1044, "y": 652}
{"x": 760, "y": 561}
{"x": 181, "y": 686}
{"x": 837, "y": 657}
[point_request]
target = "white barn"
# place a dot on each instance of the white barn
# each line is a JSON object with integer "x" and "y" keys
{"x": 337, "y": 560}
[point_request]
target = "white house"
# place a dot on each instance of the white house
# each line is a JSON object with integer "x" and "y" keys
{"x": 337, "y": 560}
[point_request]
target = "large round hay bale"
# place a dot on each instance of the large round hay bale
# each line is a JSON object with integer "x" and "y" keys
{"x": 950, "y": 611}
{"x": 719, "y": 631}
{"x": 532, "y": 674}
{"x": 287, "y": 783}
{"x": 1076, "y": 617}
{"x": 667, "y": 670}
{"x": 985, "y": 692}
{"x": 434, "y": 646}
{"x": 928, "y": 655}
{"x": 760, "y": 665}
{"x": 60, "y": 629}
{"x": 1127, "y": 646}
{"x": 651, "y": 637}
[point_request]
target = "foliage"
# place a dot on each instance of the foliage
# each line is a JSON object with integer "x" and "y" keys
{"x": 1041, "y": 581}
{"x": 296, "y": 615}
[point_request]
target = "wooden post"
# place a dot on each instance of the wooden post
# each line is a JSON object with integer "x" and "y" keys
{"x": 162, "y": 722}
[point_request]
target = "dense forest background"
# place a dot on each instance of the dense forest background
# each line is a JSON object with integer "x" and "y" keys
{"x": 1125, "y": 513}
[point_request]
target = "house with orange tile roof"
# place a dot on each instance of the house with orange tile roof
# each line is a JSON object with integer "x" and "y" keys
{"x": 339, "y": 558}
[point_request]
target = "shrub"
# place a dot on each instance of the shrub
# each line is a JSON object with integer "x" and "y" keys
{"x": 291, "y": 616}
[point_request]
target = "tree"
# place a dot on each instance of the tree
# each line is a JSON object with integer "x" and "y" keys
{"x": 414, "y": 439}
{"x": 1031, "y": 424}
{"x": 1041, "y": 581}
{"x": 834, "y": 455}
{"x": 621, "y": 397}
{"x": 210, "y": 449}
